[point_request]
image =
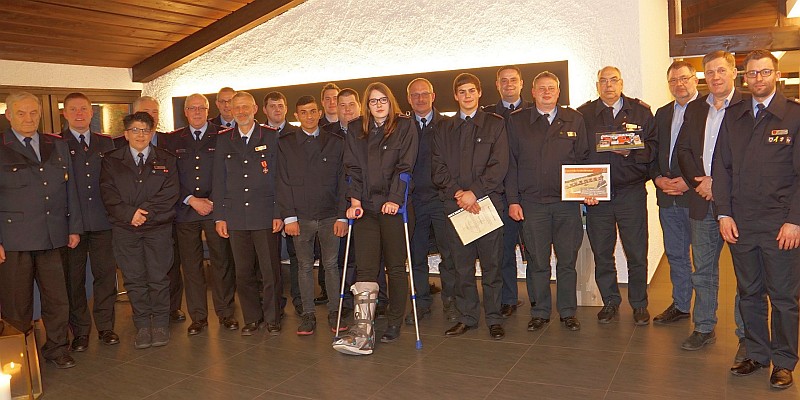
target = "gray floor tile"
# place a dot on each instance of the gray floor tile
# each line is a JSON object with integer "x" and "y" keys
{"x": 333, "y": 378}
{"x": 415, "y": 384}
{"x": 130, "y": 382}
{"x": 260, "y": 367}
{"x": 591, "y": 369}
{"x": 487, "y": 358}
{"x": 672, "y": 376}
{"x": 191, "y": 356}
{"x": 194, "y": 388}
{"x": 514, "y": 390}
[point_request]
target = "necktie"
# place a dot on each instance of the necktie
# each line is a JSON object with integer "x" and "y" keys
{"x": 608, "y": 116}
{"x": 422, "y": 123}
{"x": 140, "y": 163}
{"x": 468, "y": 118}
{"x": 546, "y": 117}
{"x": 511, "y": 107}
{"x": 244, "y": 140}
{"x": 197, "y": 135}
{"x": 83, "y": 143}
{"x": 29, "y": 147}
{"x": 228, "y": 124}
{"x": 760, "y": 108}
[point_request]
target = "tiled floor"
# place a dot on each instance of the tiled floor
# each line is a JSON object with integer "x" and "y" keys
{"x": 615, "y": 361}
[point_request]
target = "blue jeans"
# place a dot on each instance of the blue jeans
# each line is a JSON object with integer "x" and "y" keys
{"x": 329, "y": 251}
{"x": 677, "y": 237}
{"x": 706, "y": 247}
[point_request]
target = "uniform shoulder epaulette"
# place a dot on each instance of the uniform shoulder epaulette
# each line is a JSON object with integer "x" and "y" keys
{"x": 224, "y": 131}
{"x": 161, "y": 149}
{"x": 266, "y": 126}
{"x": 336, "y": 134}
{"x": 641, "y": 102}
{"x": 285, "y": 133}
{"x": 55, "y": 135}
{"x": 517, "y": 111}
{"x": 498, "y": 116}
{"x": 103, "y": 134}
{"x": 405, "y": 115}
{"x": 175, "y": 131}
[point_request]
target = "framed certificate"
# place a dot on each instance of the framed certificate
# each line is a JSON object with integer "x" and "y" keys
{"x": 621, "y": 140}
{"x": 581, "y": 181}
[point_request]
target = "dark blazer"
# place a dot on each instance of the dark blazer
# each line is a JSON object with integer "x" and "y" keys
{"x": 218, "y": 122}
{"x": 39, "y": 205}
{"x": 374, "y": 163}
{"x": 124, "y": 190}
{"x": 475, "y": 158}
{"x": 757, "y": 164}
{"x": 243, "y": 185}
{"x": 195, "y": 166}
{"x": 311, "y": 180}
{"x": 424, "y": 189}
{"x": 661, "y": 164}
{"x": 87, "y": 165}
{"x": 537, "y": 151}
{"x": 689, "y": 148}
{"x": 627, "y": 173}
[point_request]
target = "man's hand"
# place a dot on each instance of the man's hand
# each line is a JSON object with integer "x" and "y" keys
{"x": 788, "y": 237}
{"x": 74, "y": 240}
{"x": 354, "y": 212}
{"x": 390, "y": 208}
{"x": 222, "y": 229}
{"x": 515, "y": 212}
{"x": 673, "y": 186}
{"x": 340, "y": 228}
{"x": 277, "y": 225}
{"x": 466, "y": 199}
{"x": 728, "y": 230}
{"x": 202, "y": 206}
{"x": 292, "y": 228}
{"x": 704, "y": 188}
{"x": 2, "y": 254}
{"x": 139, "y": 217}
{"x": 591, "y": 201}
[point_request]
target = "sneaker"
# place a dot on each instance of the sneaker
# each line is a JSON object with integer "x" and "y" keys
{"x": 144, "y": 338}
{"x": 307, "y": 325}
{"x": 607, "y": 313}
{"x": 333, "y": 318}
{"x": 160, "y": 336}
{"x": 641, "y": 316}
{"x": 697, "y": 340}
{"x": 671, "y": 314}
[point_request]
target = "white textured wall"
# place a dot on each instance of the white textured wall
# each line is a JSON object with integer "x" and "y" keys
{"x": 22, "y": 73}
{"x": 329, "y": 40}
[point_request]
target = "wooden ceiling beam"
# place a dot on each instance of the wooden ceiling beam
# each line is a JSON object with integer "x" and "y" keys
{"x": 245, "y": 18}
{"x": 697, "y": 44}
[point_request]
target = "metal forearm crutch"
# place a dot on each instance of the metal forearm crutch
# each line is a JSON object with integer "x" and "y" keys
{"x": 344, "y": 277}
{"x": 406, "y": 177}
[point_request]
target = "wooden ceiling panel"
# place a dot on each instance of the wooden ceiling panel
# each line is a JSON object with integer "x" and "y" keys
{"x": 101, "y": 35}
{"x": 113, "y": 8}
{"x": 50, "y": 26}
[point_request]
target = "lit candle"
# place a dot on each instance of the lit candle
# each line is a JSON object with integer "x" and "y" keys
{"x": 5, "y": 387}
{"x": 12, "y": 368}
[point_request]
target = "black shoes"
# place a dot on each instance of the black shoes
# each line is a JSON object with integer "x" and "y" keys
{"x": 65, "y": 361}
{"x": 197, "y": 327}
{"x": 697, "y": 340}
{"x": 177, "y": 316}
{"x": 747, "y": 367}
{"x": 571, "y": 323}
{"x": 670, "y": 315}
{"x": 421, "y": 314}
{"x": 229, "y": 323}
{"x": 322, "y": 299}
{"x": 607, "y": 314}
{"x": 497, "y": 332}
{"x": 537, "y": 323}
{"x": 108, "y": 337}
{"x": 274, "y": 329}
{"x": 781, "y": 378}
{"x": 251, "y": 328}
{"x": 392, "y": 333}
{"x": 641, "y": 316}
{"x": 80, "y": 343}
{"x": 507, "y": 310}
{"x": 458, "y": 330}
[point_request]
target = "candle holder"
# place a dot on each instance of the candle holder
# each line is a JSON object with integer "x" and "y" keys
{"x": 19, "y": 358}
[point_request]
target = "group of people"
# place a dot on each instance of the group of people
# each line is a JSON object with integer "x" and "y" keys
{"x": 242, "y": 187}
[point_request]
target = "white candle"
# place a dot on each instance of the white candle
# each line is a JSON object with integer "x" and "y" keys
{"x": 5, "y": 387}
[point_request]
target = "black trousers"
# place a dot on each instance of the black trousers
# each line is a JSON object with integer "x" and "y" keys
{"x": 763, "y": 272}
{"x": 555, "y": 226}
{"x": 628, "y": 213}
{"x": 175, "y": 277}
{"x": 223, "y": 279}
{"x": 17, "y": 275}
{"x": 258, "y": 274}
{"x": 145, "y": 259}
{"x": 381, "y": 235}
{"x": 429, "y": 216}
{"x": 97, "y": 246}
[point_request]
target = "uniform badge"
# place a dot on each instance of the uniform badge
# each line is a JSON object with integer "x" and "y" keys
{"x": 777, "y": 132}
{"x": 632, "y": 127}
{"x": 261, "y": 148}
{"x": 264, "y": 166}
{"x": 72, "y": 152}
{"x": 786, "y": 140}
{"x": 572, "y": 134}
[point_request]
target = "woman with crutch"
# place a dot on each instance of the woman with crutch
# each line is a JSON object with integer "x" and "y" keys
{"x": 380, "y": 145}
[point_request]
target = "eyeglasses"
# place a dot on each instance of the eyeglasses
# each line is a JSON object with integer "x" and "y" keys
{"x": 613, "y": 81}
{"x": 382, "y": 100}
{"x": 139, "y": 131}
{"x": 720, "y": 71}
{"x": 196, "y": 109}
{"x": 754, "y": 73}
{"x": 681, "y": 79}
{"x": 423, "y": 95}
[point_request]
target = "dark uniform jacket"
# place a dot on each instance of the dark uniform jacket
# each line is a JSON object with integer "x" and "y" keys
{"x": 756, "y": 170}
{"x": 661, "y": 165}
{"x": 424, "y": 189}
{"x": 690, "y": 151}
{"x": 537, "y": 152}
{"x": 195, "y": 166}
{"x": 311, "y": 179}
{"x": 474, "y": 157}
{"x": 217, "y": 121}
{"x": 499, "y": 109}
{"x": 86, "y": 166}
{"x": 627, "y": 173}
{"x": 243, "y": 188}
{"x": 124, "y": 190}
{"x": 39, "y": 206}
{"x": 374, "y": 163}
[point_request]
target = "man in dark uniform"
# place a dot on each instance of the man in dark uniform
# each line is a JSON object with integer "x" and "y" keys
{"x": 194, "y": 146}
{"x": 139, "y": 186}
{"x": 627, "y": 209}
{"x": 429, "y": 210}
{"x": 542, "y": 139}
{"x": 312, "y": 204}
{"x": 243, "y": 191}
{"x": 509, "y": 85}
{"x": 470, "y": 161}
{"x": 86, "y": 150}
{"x": 329, "y": 97}
{"x": 225, "y": 118}
{"x": 39, "y": 214}
{"x": 756, "y": 169}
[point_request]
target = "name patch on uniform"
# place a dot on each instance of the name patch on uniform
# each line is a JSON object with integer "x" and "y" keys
{"x": 572, "y": 134}
{"x": 632, "y": 127}
{"x": 787, "y": 140}
{"x": 261, "y": 148}
{"x": 160, "y": 167}
{"x": 778, "y": 132}
{"x": 180, "y": 151}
